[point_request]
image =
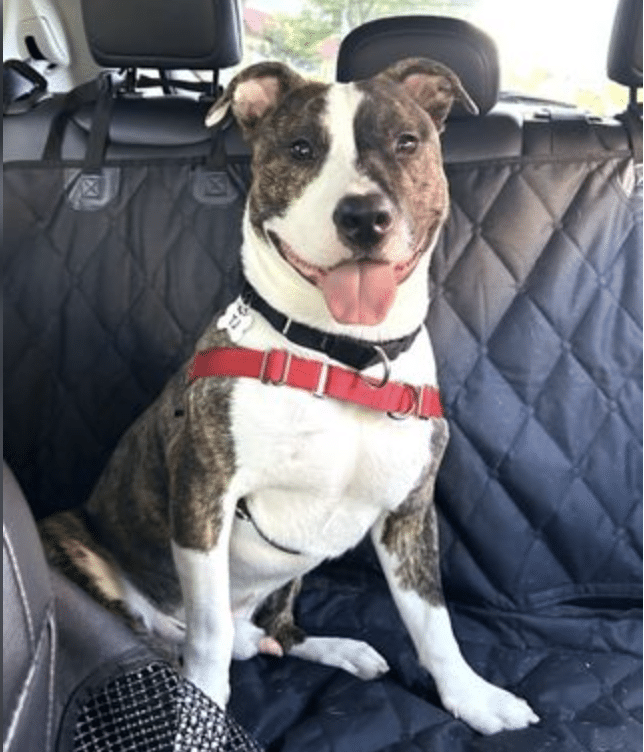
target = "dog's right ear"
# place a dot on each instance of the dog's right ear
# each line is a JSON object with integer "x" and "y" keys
{"x": 253, "y": 94}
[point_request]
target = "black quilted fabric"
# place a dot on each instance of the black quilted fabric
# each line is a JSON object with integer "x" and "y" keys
{"x": 537, "y": 325}
{"x": 100, "y": 308}
{"x": 538, "y": 281}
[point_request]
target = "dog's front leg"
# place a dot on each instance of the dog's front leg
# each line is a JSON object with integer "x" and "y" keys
{"x": 407, "y": 545}
{"x": 208, "y": 645}
{"x": 202, "y": 510}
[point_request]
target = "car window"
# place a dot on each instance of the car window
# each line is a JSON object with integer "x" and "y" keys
{"x": 553, "y": 50}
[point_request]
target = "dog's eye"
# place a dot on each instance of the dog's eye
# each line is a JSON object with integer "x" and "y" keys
{"x": 301, "y": 150}
{"x": 407, "y": 143}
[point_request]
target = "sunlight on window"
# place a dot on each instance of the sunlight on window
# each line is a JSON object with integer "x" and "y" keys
{"x": 555, "y": 50}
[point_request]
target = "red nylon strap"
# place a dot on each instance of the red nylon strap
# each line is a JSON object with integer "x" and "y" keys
{"x": 281, "y": 367}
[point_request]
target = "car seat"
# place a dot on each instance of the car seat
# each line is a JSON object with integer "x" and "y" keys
{"x": 75, "y": 677}
{"x": 536, "y": 323}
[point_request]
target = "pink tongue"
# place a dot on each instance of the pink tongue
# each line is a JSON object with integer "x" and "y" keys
{"x": 359, "y": 293}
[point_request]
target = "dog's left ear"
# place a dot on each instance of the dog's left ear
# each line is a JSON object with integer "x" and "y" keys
{"x": 253, "y": 94}
{"x": 432, "y": 85}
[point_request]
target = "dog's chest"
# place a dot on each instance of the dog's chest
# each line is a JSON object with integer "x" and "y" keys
{"x": 319, "y": 472}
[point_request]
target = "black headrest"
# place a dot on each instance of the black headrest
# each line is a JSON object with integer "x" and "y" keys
{"x": 625, "y": 51}
{"x": 168, "y": 34}
{"x": 470, "y": 53}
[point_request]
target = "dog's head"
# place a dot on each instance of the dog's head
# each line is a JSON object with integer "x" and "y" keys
{"x": 348, "y": 190}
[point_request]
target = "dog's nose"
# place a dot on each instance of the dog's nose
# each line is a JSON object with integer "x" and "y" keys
{"x": 363, "y": 220}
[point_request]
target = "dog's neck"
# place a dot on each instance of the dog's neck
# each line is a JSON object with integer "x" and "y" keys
{"x": 296, "y": 298}
{"x": 355, "y": 353}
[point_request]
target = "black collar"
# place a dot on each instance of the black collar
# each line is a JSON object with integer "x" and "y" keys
{"x": 355, "y": 353}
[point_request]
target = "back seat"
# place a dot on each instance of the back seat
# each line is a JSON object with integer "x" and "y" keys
{"x": 536, "y": 319}
{"x": 112, "y": 268}
{"x": 109, "y": 282}
{"x": 536, "y": 323}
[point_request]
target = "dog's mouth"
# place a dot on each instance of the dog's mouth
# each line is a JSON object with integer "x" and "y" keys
{"x": 355, "y": 292}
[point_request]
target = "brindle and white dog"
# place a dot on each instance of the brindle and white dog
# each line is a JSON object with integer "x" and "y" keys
{"x": 228, "y": 490}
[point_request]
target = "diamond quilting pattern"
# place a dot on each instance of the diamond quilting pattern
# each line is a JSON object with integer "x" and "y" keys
{"x": 543, "y": 393}
{"x": 101, "y": 308}
{"x": 534, "y": 320}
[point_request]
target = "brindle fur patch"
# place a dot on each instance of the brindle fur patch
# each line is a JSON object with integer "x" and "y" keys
{"x": 278, "y": 178}
{"x": 411, "y": 532}
{"x": 65, "y": 538}
{"x": 415, "y": 182}
{"x": 201, "y": 459}
{"x": 275, "y": 616}
{"x": 164, "y": 481}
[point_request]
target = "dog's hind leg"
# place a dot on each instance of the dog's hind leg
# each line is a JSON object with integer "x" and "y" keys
{"x": 70, "y": 548}
{"x": 275, "y": 617}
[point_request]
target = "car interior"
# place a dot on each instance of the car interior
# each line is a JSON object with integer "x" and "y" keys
{"x": 122, "y": 224}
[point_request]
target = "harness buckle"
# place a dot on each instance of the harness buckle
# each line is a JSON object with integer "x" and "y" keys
{"x": 320, "y": 389}
{"x": 286, "y": 367}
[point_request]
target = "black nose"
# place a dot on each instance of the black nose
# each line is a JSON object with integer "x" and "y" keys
{"x": 363, "y": 220}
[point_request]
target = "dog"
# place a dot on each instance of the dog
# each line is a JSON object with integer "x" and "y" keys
{"x": 308, "y": 417}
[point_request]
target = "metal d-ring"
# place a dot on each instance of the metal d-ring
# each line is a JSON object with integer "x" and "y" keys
{"x": 414, "y": 409}
{"x": 387, "y": 368}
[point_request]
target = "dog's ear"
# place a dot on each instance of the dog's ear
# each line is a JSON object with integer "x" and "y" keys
{"x": 432, "y": 85}
{"x": 253, "y": 94}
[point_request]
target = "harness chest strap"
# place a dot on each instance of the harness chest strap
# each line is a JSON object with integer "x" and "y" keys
{"x": 280, "y": 367}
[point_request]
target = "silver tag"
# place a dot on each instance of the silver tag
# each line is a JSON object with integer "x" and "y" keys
{"x": 236, "y": 320}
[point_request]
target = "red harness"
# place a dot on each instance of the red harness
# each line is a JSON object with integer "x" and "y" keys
{"x": 279, "y": 367}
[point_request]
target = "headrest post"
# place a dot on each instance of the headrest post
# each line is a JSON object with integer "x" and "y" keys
{"x": 165, "y": 81}
{"x": 633, "y": 104}
{"x": 129, "y": 85}
{"x": 210, "y": 90}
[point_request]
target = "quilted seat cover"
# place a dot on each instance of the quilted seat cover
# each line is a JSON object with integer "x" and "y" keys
{"x": 537, "y": 324}
{"x": 536, "y": 319}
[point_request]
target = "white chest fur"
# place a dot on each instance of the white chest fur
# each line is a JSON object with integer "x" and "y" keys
{"x": 319, "y": 472}
{"x": 316, "y": 473}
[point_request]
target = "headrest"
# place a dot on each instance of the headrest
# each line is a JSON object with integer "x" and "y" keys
{"x": 167, "y": 34}
{"x": 625, "y": 51}
{"x": 470, "y": 53}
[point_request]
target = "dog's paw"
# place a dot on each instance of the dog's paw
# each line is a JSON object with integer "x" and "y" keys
{"x": 486, "y": 708}
{"x": 214, "y": 684}
{"x": 250, "y": 640}
{"x": 353, "y": 656}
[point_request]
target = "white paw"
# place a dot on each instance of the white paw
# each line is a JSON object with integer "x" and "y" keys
{"x": 208, "y": 669}
{"x": 249, "y": 640}
{"x": 484, "y": 707}
{"x": 213, "y": 683}
{"x": 353, "y": 656}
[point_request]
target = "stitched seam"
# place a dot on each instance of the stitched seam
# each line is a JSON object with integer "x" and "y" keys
{"x": 21, "y": 588}
{"x": 24, "y": 692}
{"x": 588, "y": 159}
{"x": 51, "y": 622}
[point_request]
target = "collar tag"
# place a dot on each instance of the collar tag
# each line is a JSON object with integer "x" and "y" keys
{"x": 236, "y": 320}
